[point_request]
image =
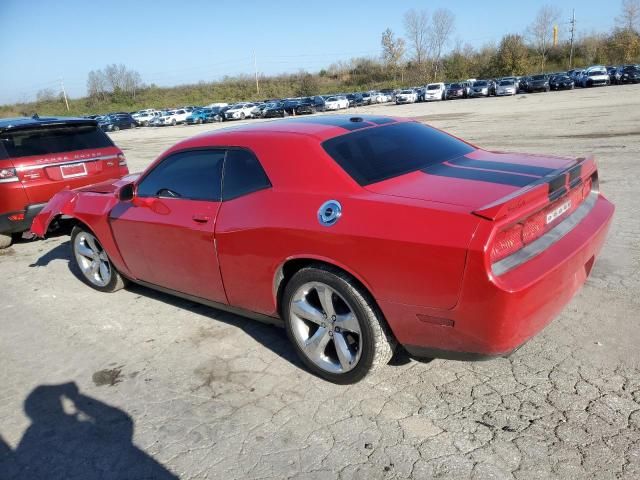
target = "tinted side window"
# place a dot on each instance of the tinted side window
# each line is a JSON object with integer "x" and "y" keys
{"x": 195, "y": 175}
{"x": 43, "y": 140}
{"x": 243, "y": 174}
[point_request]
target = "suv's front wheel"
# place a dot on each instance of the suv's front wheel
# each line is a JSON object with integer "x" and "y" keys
{"x": 5, "y": 240}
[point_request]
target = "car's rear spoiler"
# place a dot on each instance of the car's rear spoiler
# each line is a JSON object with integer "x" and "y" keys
{"x": 549, "y": 188}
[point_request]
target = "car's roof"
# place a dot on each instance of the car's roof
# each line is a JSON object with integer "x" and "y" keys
{"x": 322, "y": 127}
{"x": 29, "y": 122}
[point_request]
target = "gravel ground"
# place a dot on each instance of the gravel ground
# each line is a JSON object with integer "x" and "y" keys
{"x": 138, "y": 384}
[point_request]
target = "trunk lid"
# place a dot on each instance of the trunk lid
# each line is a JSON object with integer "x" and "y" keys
{"x": 481, "y": 181}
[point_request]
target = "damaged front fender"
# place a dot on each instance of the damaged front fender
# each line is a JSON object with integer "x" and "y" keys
{"x": 62, "y": 203}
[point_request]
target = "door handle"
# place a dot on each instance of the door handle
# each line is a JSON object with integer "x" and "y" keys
{"x": 201, "y": 218}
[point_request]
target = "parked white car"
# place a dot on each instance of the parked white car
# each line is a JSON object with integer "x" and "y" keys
{"x": 378, "y": 97}
{"x": 593, "y": 76}
{"x": 217, "y": 105}
{"x": 434, "y": 91}
{"x": 506, "y": 87}
{"x": 406, "y": 96}
{"x": 240, "y": 111}
{"x": 145, "y": 118}
{"x": 171, "y": 117}
{"x": 336, "y": 103}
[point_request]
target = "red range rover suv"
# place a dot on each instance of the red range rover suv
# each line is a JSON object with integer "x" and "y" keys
{"x": 41, "y": 156}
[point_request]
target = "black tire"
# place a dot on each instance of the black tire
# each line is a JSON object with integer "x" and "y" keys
{"x": 115, "y": 128}
{"x": 173, "y": 122}
{"x": 116, "y": 281}
{"x": 145, "y": 124}
{"x": 378, "y": 343}
{"x": 200, "y": 121}
{"x": 242, "y": 116}
{"x": 133, "y": 125}
{"x": 5, "y": 240}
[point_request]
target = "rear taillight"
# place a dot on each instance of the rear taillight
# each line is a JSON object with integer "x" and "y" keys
{"x": 122, "y": 161}
{"x": 8, "y": 175}
{"x": 507, "y": 242}
{"x": 529, "y": 229}
{"x": 17, "y": 217}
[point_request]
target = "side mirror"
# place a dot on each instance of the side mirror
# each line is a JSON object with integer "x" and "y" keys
{"x": 126, "y": 193}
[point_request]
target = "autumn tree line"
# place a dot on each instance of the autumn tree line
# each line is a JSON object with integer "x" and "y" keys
{"x": 427, "y": 50}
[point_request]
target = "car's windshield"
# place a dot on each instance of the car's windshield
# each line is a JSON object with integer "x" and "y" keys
{"x": 433, "y": 87}
{"x": 375, "y": 154}
{"x": 595, "y": 73}
{"x": 455, "y": 85}
{"x": 538, "y": 77}
{"x": 406, "y": 92}
{"x": 506, "y": 83}
{"x": 480, "y": 83}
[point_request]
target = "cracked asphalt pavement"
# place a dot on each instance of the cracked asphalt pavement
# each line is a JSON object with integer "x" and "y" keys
{"x": 138, "y": 384}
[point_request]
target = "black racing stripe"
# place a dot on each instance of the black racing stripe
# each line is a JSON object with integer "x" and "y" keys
{"x": 505, "y": 167}
{"x": 512, "y": 179}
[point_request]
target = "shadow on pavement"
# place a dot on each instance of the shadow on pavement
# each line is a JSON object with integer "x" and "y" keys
{"x": 74, "y": 436}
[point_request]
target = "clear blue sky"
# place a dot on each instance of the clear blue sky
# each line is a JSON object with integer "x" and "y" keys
{"x": 174, "y": 42}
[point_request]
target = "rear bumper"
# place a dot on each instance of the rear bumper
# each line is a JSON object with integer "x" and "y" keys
{"x": 496, "y": 315}
{"x": 16, "y": 226}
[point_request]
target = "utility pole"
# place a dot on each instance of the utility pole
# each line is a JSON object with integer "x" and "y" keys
{"x": 573, "y": 30}
{"x": 255, "y": 69}
{"x": 64, "y": 93}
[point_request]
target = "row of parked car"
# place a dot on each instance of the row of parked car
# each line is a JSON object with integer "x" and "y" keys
{"x": 220, "y": 112}
{"x": 273, "y": 108}
{"x": 588, "y": 77}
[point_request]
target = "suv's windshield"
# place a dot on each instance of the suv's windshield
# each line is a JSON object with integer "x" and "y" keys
{"x": 54, "y": 139}
{"x": 433, "y": 87}
{"x": 376, "y": 154}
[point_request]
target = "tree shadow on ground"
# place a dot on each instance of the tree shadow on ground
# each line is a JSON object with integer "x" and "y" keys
{"x": 74, "y": 436}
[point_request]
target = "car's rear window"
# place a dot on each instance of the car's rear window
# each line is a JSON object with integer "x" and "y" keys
{"x": 375, "y": 154}
{"x": 55, "y": 139}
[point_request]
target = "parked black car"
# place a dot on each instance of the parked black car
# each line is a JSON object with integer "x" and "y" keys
{"x": 628, "y": 74}
{"x": 456, "y": 90}
{"x": 274, "y": 110}
{"x": 561, "y": 82}
{"x": 355, "y": 99}
{"x": 117, "y": 121}
{"x": 305, "y": 106}
{"x": 538, "y": 83}
{"x": 222, "y": 112}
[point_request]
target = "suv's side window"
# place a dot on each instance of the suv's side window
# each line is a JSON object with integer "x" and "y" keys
{"x": 194, "y": 175}
{"x": 243, "y": 174}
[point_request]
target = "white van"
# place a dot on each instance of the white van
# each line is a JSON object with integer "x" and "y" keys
{"x": 434, "y": 91}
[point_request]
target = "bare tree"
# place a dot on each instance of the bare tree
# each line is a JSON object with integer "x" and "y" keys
{"x": 46, "y": 95}
{"x": 392, "y": 50}
{"x": 416, "y": 25}
{"x": 629, "y": 18}
{"x": 541, "y": 30}
{"x": 96, "y": 84}
{"x": 440, "y": 32}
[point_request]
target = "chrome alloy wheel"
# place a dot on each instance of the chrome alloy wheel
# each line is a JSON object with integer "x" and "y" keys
{"x": 325, "y": 327}
{"x": 92, "y": 259}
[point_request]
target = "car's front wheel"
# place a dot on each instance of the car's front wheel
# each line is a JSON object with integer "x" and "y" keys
{"x": 94, "y": 264}
{"x": 335, "y": 326}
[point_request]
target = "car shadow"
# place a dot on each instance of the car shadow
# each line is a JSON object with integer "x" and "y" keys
{"x": 73, "y": 435}
{"x": 270, "y": 336}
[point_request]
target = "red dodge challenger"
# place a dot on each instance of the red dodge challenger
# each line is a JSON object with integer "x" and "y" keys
{"x": 358, "y": 233}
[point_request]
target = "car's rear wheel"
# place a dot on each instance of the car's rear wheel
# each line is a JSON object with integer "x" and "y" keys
{"x": 335, "y": 326}
{"x": 94, "y": 264}
{"x": 5, "y": 240}
{"x": 115, "y": 128}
